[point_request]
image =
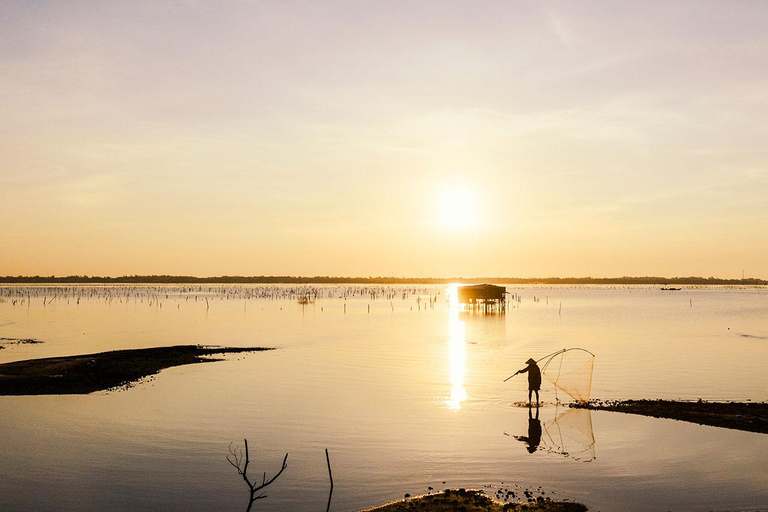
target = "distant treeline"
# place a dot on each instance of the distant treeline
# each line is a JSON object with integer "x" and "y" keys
{"x": 166, "y": 279}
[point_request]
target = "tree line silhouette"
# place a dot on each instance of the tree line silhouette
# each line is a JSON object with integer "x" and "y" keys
{"x": 170, "y": 279}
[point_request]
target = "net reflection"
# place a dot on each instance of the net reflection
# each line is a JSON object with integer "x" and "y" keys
{"x": 570, "y": 434}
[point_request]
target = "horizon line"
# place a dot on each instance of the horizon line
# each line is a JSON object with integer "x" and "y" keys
{"x": 326, "y": 279}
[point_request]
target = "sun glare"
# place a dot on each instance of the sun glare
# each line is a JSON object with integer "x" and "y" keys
{"x": 457, "y": 357}
{"x": 458, "y": 209}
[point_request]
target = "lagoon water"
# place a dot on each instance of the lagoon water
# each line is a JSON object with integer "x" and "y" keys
{"x": 404, "y": 391}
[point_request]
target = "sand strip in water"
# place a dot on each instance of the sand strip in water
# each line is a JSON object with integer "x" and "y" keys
{"x": 97, "y": 372}
{"x": 749, "y": 416}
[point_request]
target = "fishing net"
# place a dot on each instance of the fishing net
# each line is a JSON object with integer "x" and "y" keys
{"x": 570, "y": 434}
{"x": 570, "y": 370}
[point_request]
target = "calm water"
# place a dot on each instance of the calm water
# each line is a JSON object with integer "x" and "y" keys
{"x": 405, "y": 395}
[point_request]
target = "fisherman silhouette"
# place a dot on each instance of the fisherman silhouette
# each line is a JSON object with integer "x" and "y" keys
{"x": 534, "y": 379}
{"x": 534, "y": 431}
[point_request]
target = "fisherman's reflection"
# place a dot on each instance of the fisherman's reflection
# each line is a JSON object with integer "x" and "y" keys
{"x": 534, "y": 431}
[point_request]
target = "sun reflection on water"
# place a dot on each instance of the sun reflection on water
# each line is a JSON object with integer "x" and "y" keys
{"x": 457, "y": 355}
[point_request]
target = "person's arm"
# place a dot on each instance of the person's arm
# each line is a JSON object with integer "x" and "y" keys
{"x": 522, "y": 371}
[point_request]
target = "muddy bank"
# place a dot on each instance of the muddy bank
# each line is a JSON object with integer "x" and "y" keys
{"x": 18, "y": 341}
{"x": 97, "y": 372}
{"x": 749, "y": 416}
{"x": 472, "y": 501}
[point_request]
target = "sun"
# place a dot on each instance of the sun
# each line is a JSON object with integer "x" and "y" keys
{"x": 457, "y": 209}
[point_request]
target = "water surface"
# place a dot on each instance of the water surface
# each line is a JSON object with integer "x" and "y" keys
{"x": 404, "y": 391}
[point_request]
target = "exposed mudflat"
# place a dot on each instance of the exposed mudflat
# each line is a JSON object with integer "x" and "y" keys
{"x": 97, "y": 372}
{"x": 749, "y": 416}
{"x": 17, "y": 341}
{"x": 472, "y": 501}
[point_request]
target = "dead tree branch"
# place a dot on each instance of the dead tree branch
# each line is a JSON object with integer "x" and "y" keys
{"x": 240, "y": 462}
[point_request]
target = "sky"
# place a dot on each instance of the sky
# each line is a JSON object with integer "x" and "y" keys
{"x": 392, "y": 138}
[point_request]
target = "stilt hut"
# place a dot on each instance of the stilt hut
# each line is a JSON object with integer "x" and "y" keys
{"x": 483, "y": 297}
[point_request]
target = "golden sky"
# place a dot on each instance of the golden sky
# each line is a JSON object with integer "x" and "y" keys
{"x": 362, "y": 138}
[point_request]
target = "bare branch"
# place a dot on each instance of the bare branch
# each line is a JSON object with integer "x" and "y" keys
{"x": 234, "y": 459}
{"x": 247, "y": 461}
{"x": 240, "y": 463}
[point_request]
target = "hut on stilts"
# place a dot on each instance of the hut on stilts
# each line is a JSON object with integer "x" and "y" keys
{"x": 484, "y": 298}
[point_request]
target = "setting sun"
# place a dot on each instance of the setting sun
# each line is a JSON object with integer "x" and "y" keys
{"x": 458, "y": 209}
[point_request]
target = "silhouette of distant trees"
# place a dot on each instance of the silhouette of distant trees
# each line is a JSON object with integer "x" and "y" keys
{"x": 169, "y": 279}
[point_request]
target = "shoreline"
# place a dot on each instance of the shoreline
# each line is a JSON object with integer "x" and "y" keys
{"x": 473, "y": 501}
{"x": 88, "y": 373}
{"x": 746, "y": 416}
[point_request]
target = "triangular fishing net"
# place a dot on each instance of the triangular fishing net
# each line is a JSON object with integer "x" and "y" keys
{"x": 570, "y": 370}
{"x": 570, "y": 434}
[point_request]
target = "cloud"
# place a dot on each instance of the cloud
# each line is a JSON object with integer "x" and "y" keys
{"x": 559, "y": 28}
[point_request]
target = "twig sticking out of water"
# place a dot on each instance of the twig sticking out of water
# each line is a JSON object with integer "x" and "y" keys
{"x": 330, "y": 476}
{"x": 240, "y": 463}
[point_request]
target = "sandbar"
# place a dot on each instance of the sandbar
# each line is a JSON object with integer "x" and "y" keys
{"x": 748, "y": 416}
{"x": 88, "y": 373}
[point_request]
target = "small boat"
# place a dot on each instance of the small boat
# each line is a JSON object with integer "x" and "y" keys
{"x": 670, "y": 289}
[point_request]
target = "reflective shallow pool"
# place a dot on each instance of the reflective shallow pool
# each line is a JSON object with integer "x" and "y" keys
{"x": 406, "y": 395}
